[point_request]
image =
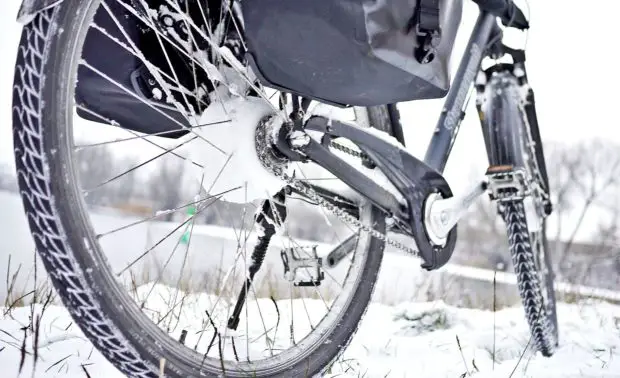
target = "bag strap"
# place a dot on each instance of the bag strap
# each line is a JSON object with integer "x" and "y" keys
{"x": 427, "y": 30}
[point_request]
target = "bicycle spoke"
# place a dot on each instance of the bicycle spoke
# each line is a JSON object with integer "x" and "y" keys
{"x": 136, "y": 137}
{"x": 163, "y": 49}
{"x": 292, "y": 324}
{"x": 262, "y": 319}
{"x": 165, "y": 212}
{"x": 150, "y": 105}
{"x": 191, "y": 231}
{"x": 221, "y": 289}
{"x": 234, "y": 20}
{"x": 155, "y": 68}
{"x": 238, "y": 250}
{"x": 199, "y": 211}
{"x": 303, "y": 302}
{"x": 143, "y": 137}
{"x": 231, "y": 60}
{"x": 151, "y": 66}
{"x": 167, "y": 151}
{"x": 204, "y": 65}
{"x": 245, "y": 268}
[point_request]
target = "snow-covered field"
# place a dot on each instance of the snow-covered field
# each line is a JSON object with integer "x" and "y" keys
{"x": 408, "y": 340}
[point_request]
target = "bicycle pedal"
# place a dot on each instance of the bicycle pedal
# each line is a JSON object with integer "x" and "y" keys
{"x": 499, "y": 169}
{"x": 309, "y": 283}
{"x": 507, "y": 183}
{"x": 312, "y": 265}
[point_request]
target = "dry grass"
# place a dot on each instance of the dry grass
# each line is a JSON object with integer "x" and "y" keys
{"x": 452, "y": 290}
{"x": 34, "y": 289}
{"x": 270, "y": 283}
{"x": 35, "y": 293}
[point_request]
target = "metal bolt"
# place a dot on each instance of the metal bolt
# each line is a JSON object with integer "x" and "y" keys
{"x": 299, "y": 139}
{"x": 443, "y": 217}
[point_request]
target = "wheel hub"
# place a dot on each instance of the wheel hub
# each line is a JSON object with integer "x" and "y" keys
{"x": 233, "y": 153}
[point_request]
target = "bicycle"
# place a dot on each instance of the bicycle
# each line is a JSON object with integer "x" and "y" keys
{"x": 378, "y": 186}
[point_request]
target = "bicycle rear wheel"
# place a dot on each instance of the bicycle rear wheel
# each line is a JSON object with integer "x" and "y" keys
{"x": 100, "y": 291}
{"x": 513, "y": 151}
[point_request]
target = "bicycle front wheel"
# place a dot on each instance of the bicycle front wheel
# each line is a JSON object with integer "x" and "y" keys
{"x": 512, "y": 148}
{"x": 144, "y": 318}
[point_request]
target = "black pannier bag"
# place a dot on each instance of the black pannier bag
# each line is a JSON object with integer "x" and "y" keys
{"x": 348, "y": 52}
{"x": 124, "y": 91}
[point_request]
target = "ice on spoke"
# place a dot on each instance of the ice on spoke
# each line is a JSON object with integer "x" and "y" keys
{"x": 228, "y": 150}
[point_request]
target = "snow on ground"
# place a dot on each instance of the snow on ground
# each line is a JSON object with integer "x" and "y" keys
{"x": 410, "y": 345}
{"x": 407, "y": 340}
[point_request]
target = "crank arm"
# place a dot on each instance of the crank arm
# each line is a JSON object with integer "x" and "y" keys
{"x": 441, "y": 215}
{"x": 336, "y": 255}
{"x": 413, "y": 178}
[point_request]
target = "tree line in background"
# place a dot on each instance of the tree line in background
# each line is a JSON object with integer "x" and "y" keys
{"x": 100, "y": 172}
{"x": 585, "y": 179}
{"x": 143, "y": 186}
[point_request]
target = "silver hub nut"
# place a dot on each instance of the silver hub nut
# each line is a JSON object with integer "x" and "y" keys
{"x": 298, "y": 139}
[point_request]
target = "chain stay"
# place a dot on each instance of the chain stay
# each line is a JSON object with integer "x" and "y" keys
{"x": 338, "y": 212}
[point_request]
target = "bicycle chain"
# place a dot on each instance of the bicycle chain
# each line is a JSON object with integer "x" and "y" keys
{"x": 358, "y": 154}
{"x": 338, "y": 212}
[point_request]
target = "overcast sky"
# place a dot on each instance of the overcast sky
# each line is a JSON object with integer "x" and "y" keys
{"x": 573, "y": 74}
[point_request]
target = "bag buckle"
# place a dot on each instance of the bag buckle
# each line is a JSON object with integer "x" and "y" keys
{"x": 427, "y": 30}
{"x": 427, "y": 46}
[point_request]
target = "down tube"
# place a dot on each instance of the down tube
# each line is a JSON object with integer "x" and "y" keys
{"x": 448, "y": 125}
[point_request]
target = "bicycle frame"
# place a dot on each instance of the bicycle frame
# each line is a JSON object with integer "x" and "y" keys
{"x": 447, "y": 128}
{"x": 419, "y": 182}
